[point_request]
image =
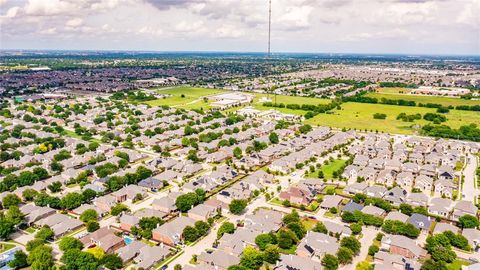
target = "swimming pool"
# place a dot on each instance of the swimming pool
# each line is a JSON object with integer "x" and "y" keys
{"x": 128, "y": 240}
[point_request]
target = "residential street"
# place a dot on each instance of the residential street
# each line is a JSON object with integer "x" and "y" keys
{"x": 469, "y": 189}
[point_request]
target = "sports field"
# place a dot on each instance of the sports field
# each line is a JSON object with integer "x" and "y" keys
{"x": 360, "y": 116}
{"x": 402, "y": 93}
{"x": 192, "y": 97}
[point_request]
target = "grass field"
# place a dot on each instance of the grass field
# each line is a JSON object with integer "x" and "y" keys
{"x": 395, "y": 93}
{"x": 192, "y": 97}
{"x": 327, "y": 169}
{"x": 360, "y": 116}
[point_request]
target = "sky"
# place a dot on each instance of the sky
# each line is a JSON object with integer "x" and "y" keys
{"x": 318, "y": 26}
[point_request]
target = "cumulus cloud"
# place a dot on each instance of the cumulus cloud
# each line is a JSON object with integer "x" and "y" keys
{"x": 312, "y": 25}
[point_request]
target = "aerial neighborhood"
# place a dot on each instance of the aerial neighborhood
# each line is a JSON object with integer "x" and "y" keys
{"x": 230, "y": 174}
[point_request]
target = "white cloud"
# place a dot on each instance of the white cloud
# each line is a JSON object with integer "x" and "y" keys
{"x": 74, "y": 22}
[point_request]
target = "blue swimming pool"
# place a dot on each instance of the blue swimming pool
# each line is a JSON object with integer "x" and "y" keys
{"x": 128, "y": 240}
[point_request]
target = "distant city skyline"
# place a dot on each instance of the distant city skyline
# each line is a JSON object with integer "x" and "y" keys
{"x": 429, "y": 27}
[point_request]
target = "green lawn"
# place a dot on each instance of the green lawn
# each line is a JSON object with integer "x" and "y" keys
{"x": 192, "y": 97}
{"x": 6, "y": 246}
{"x": 360, "y": 116}
{"x": 457, "y": 265}
{"x": 328, "y": 169}
{"x": 309, "y": 223}
{"x": 396, "y": 93}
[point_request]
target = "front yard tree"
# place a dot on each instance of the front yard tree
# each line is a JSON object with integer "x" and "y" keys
{"x": 330, "y": 262}
{"x": 273, "y": 137}
{"x": 237, "y": 206}
{"x": 468, "y": 221}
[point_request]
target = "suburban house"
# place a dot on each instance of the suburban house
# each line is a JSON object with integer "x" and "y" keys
{"x": 317, "y": 244}
{"x": 404, "y": 246}
{"x": 170, "y": 233}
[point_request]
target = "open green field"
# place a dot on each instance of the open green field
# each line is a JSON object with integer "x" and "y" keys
{"x": 192, "y": 97}
{"x": 396, "y": 93}
{"x": 328, "y": 169}
{"x": 360, "y": 116}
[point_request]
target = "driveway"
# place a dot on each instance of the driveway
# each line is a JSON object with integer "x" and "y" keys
{"x": 469, "y": 189}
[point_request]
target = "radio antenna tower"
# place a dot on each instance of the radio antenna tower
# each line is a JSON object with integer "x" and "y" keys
{"x": 269, "y": 24}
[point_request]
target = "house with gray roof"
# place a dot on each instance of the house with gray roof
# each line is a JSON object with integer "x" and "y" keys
{"x": 352, "y": 206}
{"x": 462, "y": 208}
{"x": 149, "y": 256}
{"x": 404, "y": 246}
{"x": 420, "y": 221}
{"x": 440, "y": 207}
{"x": 330, "y": 201}
{"x": 170, "y": 233}
{"x": 373, "y": 210}
{"x": 398, "y": 216}
{"x": 441, "y": 227}
{"x": 293, "y": 262}
{"x": 473, "y": 237}
{"x": 316, "y": 244}
{"x": 417, "y": 199}
{"x": 219, "y": 259}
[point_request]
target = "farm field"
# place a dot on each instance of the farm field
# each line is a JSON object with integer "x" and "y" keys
{"x": 192, "y": 97}
{"x": 395, "y": 93}
{"x": 360, "y": 116}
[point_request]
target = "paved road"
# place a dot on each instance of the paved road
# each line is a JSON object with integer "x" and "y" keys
{"x": 469, "y": 189}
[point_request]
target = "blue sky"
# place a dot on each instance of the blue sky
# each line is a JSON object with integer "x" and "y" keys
{"x": 339, "y": 26}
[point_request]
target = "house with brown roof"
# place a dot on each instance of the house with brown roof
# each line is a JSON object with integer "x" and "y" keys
{"x": 103, "y": 238}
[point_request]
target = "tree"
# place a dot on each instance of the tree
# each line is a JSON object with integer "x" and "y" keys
{"x": 186, "y": 201}
{"x": 45, "y": 233}
{"x": 237, "y": 267}
{"x": 202, "y": 227}
{"x": 237, "y": 152}
{"x": 237, "y": 206}
{"x": 11, "y": 200}
{"x": 29, "y": 194}
{"x": 55, "y": 186}
{"x": 440, "y": 253}
{"x": 356, "y": 228}
{"x": 119, "y": 208}
{"x": 69, "y": 242}
{"x": 190, "y": 234}
{"x": 271, "y": 254}
{"x": 88, "y": 215}
{"x": 92, "y": 226}
{"x": 351, "y": 243}
{"x": 72, "y": 200}
{"x": 406, "y": 209}
{"x": 112, "y": 261}
{"x": 372, "y": 250}
{"x": 14, "y": 215}
{"x": 468, "y": 221}
{"x": 433, "y": 265}
{"x": 177, "y": 267}
{"x": 32, "y": 244}
{"x": 297, "y": 228}
{"x": 6, "y": 227}
{"x": 251, "y": 258}
{"x": 292, "y": 217}
{"x": 77, "y": 259}
{"x": 286, "y": 238}
{"x": 56, "y": 166}
{"x": 273, "y": 137}
{"x": 40, "y": 258}
{"x": 88, "y": 194}
{"x": 363, "y": 265}
{"x": 19, "y": 260}
{"x": 330, "y": 262}
{"x": 320, "y": 227}
{"x": 344, "y": 255}
{"x": 226, "y": 227}
{"x": 263, "y": 240}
